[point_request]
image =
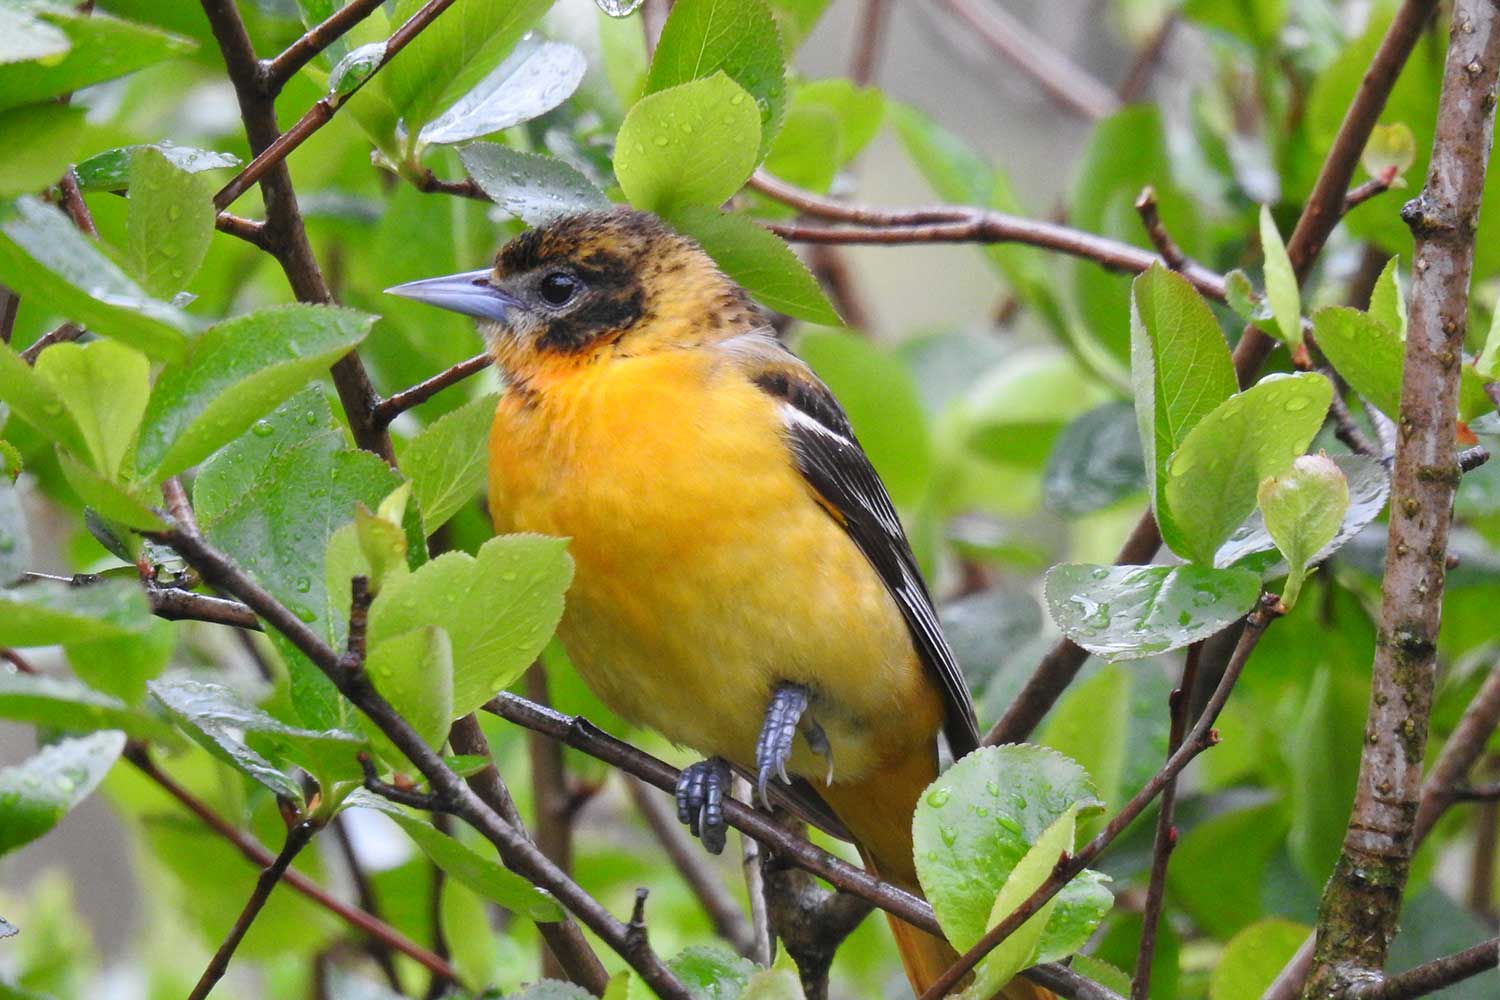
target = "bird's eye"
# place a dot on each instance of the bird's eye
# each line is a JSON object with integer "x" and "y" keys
{"x": 558, "y": 288}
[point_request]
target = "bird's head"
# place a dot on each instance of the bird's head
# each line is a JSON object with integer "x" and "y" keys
{"x": 592, "y": 286}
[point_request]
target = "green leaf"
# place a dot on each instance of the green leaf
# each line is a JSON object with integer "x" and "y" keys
{"x": 35, "y": 401}
{"x": 41, "y": 141}
{"x": 236, "y": 372}
{"x": 1126, "y": 612}
{"x": 100, "y": 48}
{"x": 881, "y": 401}
{"x": 1091, "y": 725}
{"x": 1215, "y": 471}
{"x": 121, "y": 665}
{"x": 104, "y": 386}
{"x": 533, "y": 188}
{"x": 128, "y": 505}
{"x": 15, "y": 539}
{"x": 694, "y": 144}
{"x": 759, "y": 261}
{"x": 71, "y": 707}
{"x": 1180, "y": 368}
{"x": 1254, "y": 957}
{"x": 796, "y": 18}
{"x": 1246, "y": 302}
{"x": 414, "y": 672}
{"x": 1304, "y": 508}
{"x": 1018, "y": 951}
{"x": 239, "y": 734}
{"x": 780, "y": 982}
{"x": 1281, "y": 281}
{"x": 170, "y": 222}
{"x": 1369, "y": 486}
{"x": 499, "y": 609}
{"x": 805, "y": 150}
{"x": 48, "y": 612}
{"x": 271, "y": 500}
{"x": 857, "y": 112}
{"x": 531, "y": 81}
{"x": 1365, "y": 352}
{"x": 1095, "y": 461}
{"x": 736, "y": 37}
{"x": 1387, "y": 305}
{"x": 446, "y": 462}
{"x": 978, "y": 820}
{"x": 1109, "y": 976}
{"x": 42, "y": 255}
{"x": 1222, "y": 898}
{"x": 36, "y": 793}
{"x": 711, "y": 970}
{"x": 453, "y": 54}
{"x": 24, "y": 37}
{"x": 110, "y": 170}
{"x": 1389, "y": 153}
{"x": 488, "y": 878}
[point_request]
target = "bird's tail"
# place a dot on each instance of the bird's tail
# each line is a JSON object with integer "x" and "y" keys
{"x": 878, "y": 813}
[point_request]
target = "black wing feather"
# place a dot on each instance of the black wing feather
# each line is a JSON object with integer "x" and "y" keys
{"x": 830, "y": 458}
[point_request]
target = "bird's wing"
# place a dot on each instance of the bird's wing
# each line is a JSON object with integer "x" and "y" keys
{"x": 846, "y": 484}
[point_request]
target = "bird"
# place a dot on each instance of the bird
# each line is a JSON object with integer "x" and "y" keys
{"x": 742, "y": 582}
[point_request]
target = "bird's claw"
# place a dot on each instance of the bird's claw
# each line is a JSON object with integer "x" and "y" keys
{"x": 700, "y": 801}
{"x": 784, "y": 716}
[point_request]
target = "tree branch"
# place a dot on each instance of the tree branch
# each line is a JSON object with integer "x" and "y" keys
{"x": 296, "y": 839}
{"x": 868, "y": 35}
{"x": 397, "y": 403}
{"x": 1433, "y": 976}
{"x": 1199, "y": 738}
{"x": 258, "y": 855}
{"x": 1360, "y": 905}
{"x": 176, "y": 604}
{"x": 1160, "y": 238}
{"x": 274, "y": 73}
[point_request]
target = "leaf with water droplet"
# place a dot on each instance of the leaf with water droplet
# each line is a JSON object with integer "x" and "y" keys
{"x": 1145, "y": 605}
{"x": 660, "y": 175}
{"x": 534, "y": 79}
{"x": 36, "y": 793}
{"x": 169, "y": 221}
{"x": 1304, "y": 509}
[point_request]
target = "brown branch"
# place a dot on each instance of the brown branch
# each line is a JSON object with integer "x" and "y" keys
{"x": 1180, "y": 703}
{"x": 60, "y": 335}
{"x": 1067, "y": 83}
{"x": 755, "y": 885}
{"x": 296, "y": 839}
{"x": 1157, "y": 231}
{"x": 564, "y": 939}
{"x": 249, "y": 230}
{"x": 74, "y": 205}
{"x": 515, "y": 848}
{"x": 1198, "y": 739}
{"x": 1061, "y": 663}
{"x": 1148, "y": 59}
{"x": 1357, "y": 917}
{"x": 323, "y": 110}
{"x": 283, "y": 231}
{"x": 811, "y": 922}
{"x": 274, "y": 73}
{"x": 1433, "y": 976}
{"x": 1364, "y": 192}
{"x": 1472, "y": 458}
{"x": 868, "y": 35}
{"x": 1445, "y": 780}
{"x": 692, "y": 863}
{"x": 550, "y": 797}
{"x": 427, "y": 182}
{"x": 397, "y": 403}
{"x": 365, "y": 893}
{"x": 176, "y": 604}
{"x": 10, "y": 304}
{"x": 251, "y": 849}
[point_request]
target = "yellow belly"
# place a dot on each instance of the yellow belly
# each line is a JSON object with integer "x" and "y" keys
{"x": 706, "y": 573}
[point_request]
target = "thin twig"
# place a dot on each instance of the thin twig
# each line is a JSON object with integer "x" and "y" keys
{"x": 867, "y": 38}
{"x": 755, "y": 885}
{"x": 427, "y": 182}
{"x": 551, "y": 800}
{"x": 1067, "y": 83}
{"x": 1357, "y": 917}
{"x": 1160, "y": 238}
{"x": 175, "y": 604}
{"x": 1441, "y": 788}
{"x": 1472, "y": 458}
{"x": 397, "y": 403}
{"x": 249, "y": 230}
{"x": 73, "y": 203}
{"x": 1430, "y": 977}
{"x": 251, "y": 849}
{"x": 323, "y": 110}
{"x": 1180, "y": 703}
{"x": 1148, "y": 59}
{"x": 276, "y": 72}
{"x": 296, "y": 839}
{"x": 1062, "y": 661}
{"x": 693, "y": 864}
{"x": 10, "y": 304}
{"x": 365, "y": 893}
{"x": 60, "y": 335}
{"x": 1364, "y": 192}
{"x": 1199, "y": 738}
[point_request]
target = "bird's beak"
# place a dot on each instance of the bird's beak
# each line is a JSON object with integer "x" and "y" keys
{"x": 471, "y": 293}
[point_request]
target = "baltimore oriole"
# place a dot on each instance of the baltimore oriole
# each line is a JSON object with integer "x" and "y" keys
{"x": 741, "y": 574}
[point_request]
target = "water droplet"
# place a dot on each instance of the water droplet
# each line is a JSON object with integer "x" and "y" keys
{"x": 303, "y": 585}
{"x": 1009, "y": 824}
{"x": 981, "y": 811}
{"x": 1100, "y": 574}
{"x": 64, "y": 783}
{"x": 660, "y": 140}
{"x": 738, "y": 98}
{"x": 1018, "y": 800}
{"x": 262, "y": 428}
{"x": 992, "y": 787}
{"x": 174, "y": 212}
{"x": 938, "y": 797}
{"x": 687, "y": 129}
{"x": 949, "y": 835}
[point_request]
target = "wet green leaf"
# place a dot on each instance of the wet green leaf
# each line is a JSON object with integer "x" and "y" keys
{"x": 236, "y": 372}
{"x": 1125, "y": 612}
{"x": 1095, "y": 461}
{"x": 110, "y": 170}
{"x": 1281, "y": 281}
{"x": 759, "y": 261}
{"x": 36, "y": 793}
{"x": 170, "y": 222}
{"x": 43, "y": 255}
{"x": 1369, "y": 487}
{"x": 1214, "y": 473}
{"x": 531, "y": 81}
{"x": 1391, "y": 149}
{"x": 533, "y": 188}
{"x": 693, "y": 144}
{"x": 104, "y": 386}
{"x": 1387, "y": 304}
{"x": 47, "y": 612}
{"x": 41, "y": 141}
{"x": 67, "y": 705}
{"x": 100, "y": 47}
{"x": 121, "y": 665}
{"x": 414, "y": 672}
{"x": 447, "y": 461}
{"x": 1254, "y": 957}
{"x": 736, "y": 37}
{"x": 1304, "y": 508}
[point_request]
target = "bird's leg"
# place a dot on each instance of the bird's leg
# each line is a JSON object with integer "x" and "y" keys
{"x": 701, "y": 788}
{"x": 784, "y": 716}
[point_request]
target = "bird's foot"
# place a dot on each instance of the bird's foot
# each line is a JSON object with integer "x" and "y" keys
{"x": 701, "y": 789}
{"x": 784, "y": 716}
